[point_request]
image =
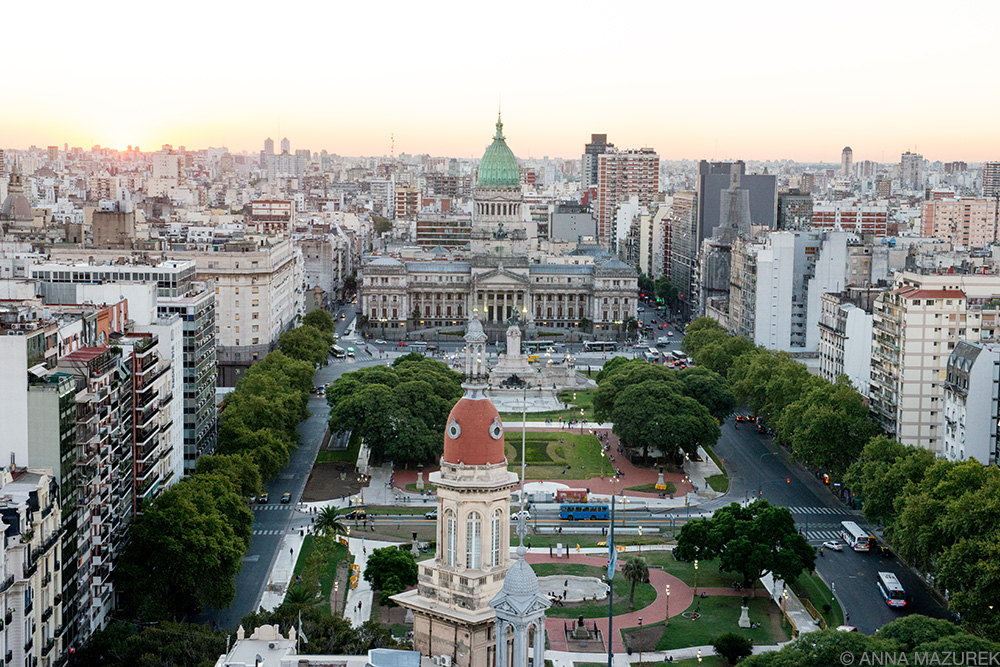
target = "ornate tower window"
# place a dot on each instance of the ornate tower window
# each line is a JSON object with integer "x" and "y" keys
{"x": 449, "y": 539}
{"x": 495, "y": 541}
{"x": 473, "y": 541}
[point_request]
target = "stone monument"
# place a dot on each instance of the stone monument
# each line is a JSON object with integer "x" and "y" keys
{"x": 744, "y": 614}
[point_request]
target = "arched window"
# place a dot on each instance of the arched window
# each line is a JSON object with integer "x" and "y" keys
{"x": 473, "y": 541}
{"x": 495, "y": 541}
{"x": 449, "y": 539}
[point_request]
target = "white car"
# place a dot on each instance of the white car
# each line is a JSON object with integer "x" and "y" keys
{"x": 379, "y": 341}
{"x": 833, "y": 546}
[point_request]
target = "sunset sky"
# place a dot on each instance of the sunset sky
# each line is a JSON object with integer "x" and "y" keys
{"x": 751, "y": 80}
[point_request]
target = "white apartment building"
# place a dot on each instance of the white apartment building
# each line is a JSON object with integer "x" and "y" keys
{"x": 271, "y": 216}
{"x": 845, "y": 337}
{"x": 168, "y": 173}
{"x": 971, "y": 405}
{"x": 916, "y": 326}
{"x": 31, "y": 597}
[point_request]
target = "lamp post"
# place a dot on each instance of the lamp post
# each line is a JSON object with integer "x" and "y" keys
{"x": 699, "y": 656}
{"x": 666, "y": 620}
{"x": 336, "y": 592}
{"x": 696, "y": 577}
{"x": 784, "y": 605}
{"x": 640, "y": 543}
{"x": 581, "y": 417}
{"x": 640, "y": 641}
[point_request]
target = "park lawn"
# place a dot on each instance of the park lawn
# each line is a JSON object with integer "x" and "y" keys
{"x": 719, "y": 483}
{"x": 709, "y": 575}
{"x": 720, "y": 614}
{"x": 645, "y": 594}
{"x": 651, "y": 488}
{"x": 706, "y": 661}
{"x": 412, "y": 487}
{"x": 584, "y": 399}
{"x": 349, "y": 455}
{"x": 381, "y": 510}
{"x": 327, "y": 572}
{"x": 556, "y": 455}
{"x": 811, "y": 587}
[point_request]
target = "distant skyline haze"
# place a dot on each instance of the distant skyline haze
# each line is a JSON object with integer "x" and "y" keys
{"x": 725, "y": 80}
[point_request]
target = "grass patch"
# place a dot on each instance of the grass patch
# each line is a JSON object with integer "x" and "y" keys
{"x": 717, "y": 460}
{"x": 645, "y": 594}
{"x": 349, "y": 455}
{"x": 412, "y": 487}
{"x": 811, "y": 587}
{"x": 317, "y": 564}
{"x": 570, "y": 540}
{"x": 706, "y": 661}
{"x": 709, "y": 575}
{"x": 719, "y": 614}
{"x": 584, "y": 399}
{"x": 381, "y": 510}
{"x": 719, "y": 483}
{"x": 651, "y": 488}
{"x": 559, "y": 455}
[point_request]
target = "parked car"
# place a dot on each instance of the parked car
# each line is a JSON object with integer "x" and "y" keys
{"x": 432, "y": 347}
{"x": 433, "y": 514}
{"x": 358, "y": 515}
{"x": 833, "y": 545}
{"x": 262, "y": 498}
{"x": 286, "y": 498}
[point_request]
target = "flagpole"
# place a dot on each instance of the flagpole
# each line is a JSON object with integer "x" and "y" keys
{"x": 611, "y": 574}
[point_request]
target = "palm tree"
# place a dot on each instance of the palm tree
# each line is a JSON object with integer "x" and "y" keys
{"x": 328, "y": 522}
{"x": 635, "y": 571}
{"x": 299, "y": 595}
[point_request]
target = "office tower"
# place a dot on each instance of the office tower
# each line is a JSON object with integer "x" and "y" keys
{"x": 795, "y": 210}
{"x": 807, "y": 183}
{"x": 683, "y": 218}
{"x": 911, "y": 170}
{"x": 715, "y": 178}
{"x": 168, "y": 172}
{"x": 847, "y": 163}
{"x": 588, "y": 162}
{"x": 991, "y": 179}
{"x": 621, "y": 175}
{"x": 269, "y": 146}
{"x": 286, "y": 146}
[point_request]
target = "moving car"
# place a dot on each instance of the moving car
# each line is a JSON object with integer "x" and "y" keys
{"x": 262, "y": 498}
{"x": 833, "y": 545}
{"x": 286, "y": 498}
{"x": 432, "y": 347}
{"x": 433, "y": 514}
{"x": 379, "y": 341}
{"x": 359, "y": 515}
{"x": 350, "y": 351}
{"x": 401, "y": 343}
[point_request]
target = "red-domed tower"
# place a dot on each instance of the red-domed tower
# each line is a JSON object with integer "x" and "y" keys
{"x": 451, "y": 612}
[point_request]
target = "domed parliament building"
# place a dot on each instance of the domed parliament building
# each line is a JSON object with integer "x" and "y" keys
{"x": 499, "y": 273}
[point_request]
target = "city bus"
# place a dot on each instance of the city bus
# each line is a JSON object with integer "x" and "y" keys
{"x": 338, "y": 352}
{"x": 891, "y": 590}
{"x": 536, "y": 347}
{"x": 856, "y": 538}
{"x": 583, "y": 511}
{"x": 600, "y": 346}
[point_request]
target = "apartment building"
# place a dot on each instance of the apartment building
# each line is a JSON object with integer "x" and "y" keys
{"x": 968, "y": 222}
{"x": 845, "y": 336}
{"x": 916, "y": 326}
{"x": 849, "y": 217}
{"x": 31, "y": 591}
{"x": 271, "y": 216}
{"x": 621, "y": 175}
{"x": 971, "y": 403}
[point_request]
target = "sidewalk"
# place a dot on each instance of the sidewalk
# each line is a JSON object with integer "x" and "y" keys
{"x": 800, "y": 618}
{"x": 359, "y": 600}
{"x": 567, "y": 658}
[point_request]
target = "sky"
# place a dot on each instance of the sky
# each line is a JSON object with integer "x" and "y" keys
{"x": 692, "y": 79}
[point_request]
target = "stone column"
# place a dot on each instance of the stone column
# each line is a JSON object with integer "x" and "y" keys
{"x": 501, "y": 637}
{"x": 503, "y": 315}
{"x": 539, "y": 657}
{"x": 520, "y": 652}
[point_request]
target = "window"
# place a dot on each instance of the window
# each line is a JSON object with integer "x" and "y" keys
{"x": 237, "y": 328}
{"x": 237, "y": 316}
{"x": 449, "y": 540}
{"x": 255, "y": 315}
{"x": 495, "y": 541}
{"x": 473, "y": 541}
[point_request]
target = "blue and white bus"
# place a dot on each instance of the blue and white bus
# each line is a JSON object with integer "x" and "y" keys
{"x": 583, "y": 511}
{"x": 891, "y": 590}
{"x": 856, "y": 538}
{"x": 600, "y": 346}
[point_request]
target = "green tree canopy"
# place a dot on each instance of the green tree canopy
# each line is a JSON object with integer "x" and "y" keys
{"x": 732, "y": 647}
{"x": 883, "y": 472}
{"x": 710, "y": 389}
{"x": 306, "y": 343}
{"x": 320, "y": 319}
{"x": 654, "y": 414}
{"x": 164, "y": 644}
{"x": 391, "y": 571}
{"x": 635, "y": 572}
{"x": 768, "y": 382}
{"x": 665, "y": 290}
{"x": 752, "y": 541}
{"x": 241, "y": 468}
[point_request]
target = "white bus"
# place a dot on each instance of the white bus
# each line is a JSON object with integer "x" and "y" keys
{"x": 891, "y": 590}
{"x": 856, "y": 538}
{"x": 537, "y": 346}
{"x": 600, "y": 346}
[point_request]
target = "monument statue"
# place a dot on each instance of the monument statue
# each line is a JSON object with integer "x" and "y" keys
{"x": 513, "y": 337}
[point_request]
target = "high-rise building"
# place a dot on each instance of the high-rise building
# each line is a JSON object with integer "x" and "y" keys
{"x": 971, "y": 403}
{"x": 883, "y": 188}
{"x": 715, "y": 178}
{"x": 849, "y": 217}
{"x": 269, "y": 146}
{"x": 795, "y": 210}
{"x": 53, "y": 153}
{"x": 991, "y": 179}
{"x": 620, "y": 176}
{"x": 845, "y": 336}
{"x": 684, "y": 246}
{"x": 968, "y": 222}
{"x": 911, "y": 170}
{"x": 286, "y": 146}
{"x": 847, "y": 163}
{"x": 588, "y": 162}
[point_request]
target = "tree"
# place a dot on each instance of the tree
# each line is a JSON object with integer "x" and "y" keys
{"x": 328, "y": 522}
{"x": 382, "y": 225}
{"x": 351, "y": 282}
{"x": 665, "y": 290}
{"x": 320, "y": 319}
{"x": 635, "y": 572}
{"x": 585, "y": 324}
{"x": 306, "y": 343}
{"x": 391, "y": 571}
{"x": 912, "y": 631}
{"x": 164, "y": 644}
{"x": 769, "y": 381}
{"x": 883, "y": 472}
{"x": 732, "y": 647}
{"x": 710, "y": 389}
{"x": 719, "y": 355}
{"x": 823, "y": 648}
{"x": 610, "y": 365}
{"x": 655, "y": 415}
{"x": 752, "y": 541}
{"x": 240, "y": 468}
{"x": 645, "y": 285}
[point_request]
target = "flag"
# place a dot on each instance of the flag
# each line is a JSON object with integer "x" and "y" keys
{"x": 612, "y": 560}
{"x": 302, "y": 635}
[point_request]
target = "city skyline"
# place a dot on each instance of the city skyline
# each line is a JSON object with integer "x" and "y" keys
{"x": 733, "y": 82}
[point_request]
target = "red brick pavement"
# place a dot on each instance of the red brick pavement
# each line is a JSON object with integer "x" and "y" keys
{"x": 681, "y": 597}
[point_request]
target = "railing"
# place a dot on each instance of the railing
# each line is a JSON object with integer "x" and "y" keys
{"x": 47, "y": 579}
{"x": 47, "y": 614}
{"x": 29, "y": 606}
{"x": 7, "y": 583}
{"x": 48, "y": 647}
{"x": 30, "y": 643}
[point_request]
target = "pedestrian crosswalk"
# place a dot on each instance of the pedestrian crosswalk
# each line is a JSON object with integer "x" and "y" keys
{"x": 818, "y": 510}
{"x": 268, "y": 532}
{"x": 259, "y": 508}
{"x": 821, "y": 535}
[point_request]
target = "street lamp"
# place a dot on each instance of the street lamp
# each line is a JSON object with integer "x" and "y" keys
{"x": 336, "y": 592}
{"x": 696, "y": 577}
{"x": 640, "y": 544}
{"x": 699, "y": 656}
{"x": 640, "y": 641}
{"x": 581, "y": 417}
{"x": 784, "y": 604}
{"x": 666, "y": 621}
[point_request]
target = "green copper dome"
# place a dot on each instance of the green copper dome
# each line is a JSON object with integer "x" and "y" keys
{"x": 499, "y": 169}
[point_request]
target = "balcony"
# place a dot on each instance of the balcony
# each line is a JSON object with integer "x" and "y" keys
{"x": 7, "y": 583}
{"x": 29, "y": 606}
{"x": 47, "y": 614}
{"x": 58, "y": 631}
{"x": 29, "y": 644}
{"x": 48, "y": 647}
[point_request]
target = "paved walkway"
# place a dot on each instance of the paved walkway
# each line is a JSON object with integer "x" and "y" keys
{"x": 567, "y": 658}
{"x": 358, "y": 608}
{"x": 800, "y": 618}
